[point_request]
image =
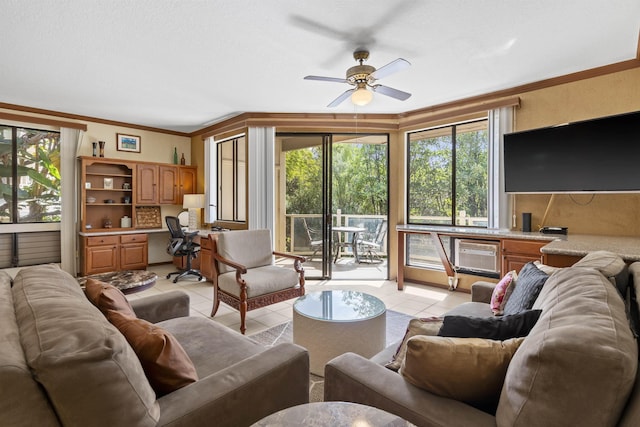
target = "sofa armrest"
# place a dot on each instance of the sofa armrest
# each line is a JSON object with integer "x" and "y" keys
{"x": 156, "y": 308}
{"x": 481, "y": 291}
{"x": 243, "y": 393}
{"x": 352, "y": 378}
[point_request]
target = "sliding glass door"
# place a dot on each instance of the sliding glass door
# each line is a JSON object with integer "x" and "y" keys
{"x": 332, "y": 203}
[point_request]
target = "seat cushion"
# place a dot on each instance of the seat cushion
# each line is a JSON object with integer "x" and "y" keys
{"x": 211, "y": 346}
{"x": 22, "y": 400}
{"x": 90, "y": 373}
{"x": 260, "y": 280}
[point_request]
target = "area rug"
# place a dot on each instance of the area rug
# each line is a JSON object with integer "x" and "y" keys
{"x": 396, "y": 327}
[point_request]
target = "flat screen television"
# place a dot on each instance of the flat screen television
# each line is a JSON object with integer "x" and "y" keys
{"x": 600, "y": 155}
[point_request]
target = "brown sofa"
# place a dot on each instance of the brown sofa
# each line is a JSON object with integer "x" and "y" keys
{"x": 63, "y": 363}
{"x": 577, "y": 367}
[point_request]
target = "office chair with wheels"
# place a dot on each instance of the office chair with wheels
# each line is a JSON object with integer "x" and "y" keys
{"x": 182, "y": 244}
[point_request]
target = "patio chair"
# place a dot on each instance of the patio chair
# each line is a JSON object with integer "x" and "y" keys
{"x": 245, "y": 276}
{"x": 371, "y": 248}
{"x": 316, "y": 245}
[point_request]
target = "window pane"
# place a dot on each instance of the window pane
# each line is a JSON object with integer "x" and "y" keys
{"x": 430, "y": 163}
{"x": 6, "y": 182}
{"x": 38, "y": 176}
{"x": 472, "y": 145}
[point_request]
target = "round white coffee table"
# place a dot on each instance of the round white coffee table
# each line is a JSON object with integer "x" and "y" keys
{"x": 332, "y": 414}
{"x": 331, "y": 323}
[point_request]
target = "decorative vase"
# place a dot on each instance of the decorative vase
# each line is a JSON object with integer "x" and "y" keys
{"x": 95, "y": 149}
{"x": 101, "y": 148}
{"x": 183, "y": 161}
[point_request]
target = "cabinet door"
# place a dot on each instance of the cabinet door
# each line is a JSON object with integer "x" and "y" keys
{"x": 147, "y": 184}
{"x": 101, "y": 259}
{"x": 168, "y": 185}
{"x": 187, "y": 182}
{"x": 133, "y": 256}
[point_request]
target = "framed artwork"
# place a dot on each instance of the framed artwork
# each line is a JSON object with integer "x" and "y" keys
{"x": 128, "y": 143}
{"x": 108, "y": 183}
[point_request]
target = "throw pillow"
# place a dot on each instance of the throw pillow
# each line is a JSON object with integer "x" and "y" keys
{"x": 471, "y": 370}
{"x": 495, "y": 328}
{"x": 546, "y": 268}
{"x": 424, "y": 326}
{"x": 165, "y": 363}
{"x": 501, "y": 293}
{"x": 526, "y": 289}
{"x": 107, "y": 297}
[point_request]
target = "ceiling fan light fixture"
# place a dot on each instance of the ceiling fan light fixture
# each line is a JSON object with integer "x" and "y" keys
{"x": 361, "y": 97}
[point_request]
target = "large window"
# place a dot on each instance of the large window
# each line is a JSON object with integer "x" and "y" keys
{"x": 232, "y": 184}
{"x": 29, "y": 175}
{"x": 447, "y": 175}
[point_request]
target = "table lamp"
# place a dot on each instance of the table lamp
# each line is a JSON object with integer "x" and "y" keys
{"x": 194, "y": 203}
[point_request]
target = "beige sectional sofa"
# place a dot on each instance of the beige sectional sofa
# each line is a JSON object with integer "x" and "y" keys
{"x": 63, "y": 363}
{"x": 577, "y": 367}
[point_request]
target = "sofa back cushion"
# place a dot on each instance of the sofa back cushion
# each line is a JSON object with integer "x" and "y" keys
{"x": 578, "y": 364}
{"x": 251, "y": 248}
{"x": 89, "y": 371}
{"x": 22, "y": 400}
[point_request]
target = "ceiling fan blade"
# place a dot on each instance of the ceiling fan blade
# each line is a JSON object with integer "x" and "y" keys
{"x": 389, "y": 91}
{"x": 341, "y": 98}
{"x": 326, "y": 79}
{"x": 390, "y": 68}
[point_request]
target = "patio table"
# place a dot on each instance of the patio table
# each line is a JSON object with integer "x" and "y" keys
{"x": 353, "y": 243}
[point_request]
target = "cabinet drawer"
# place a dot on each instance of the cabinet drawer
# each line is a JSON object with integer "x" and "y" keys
{"x": 102, "y": 240}
{"x": 205, "y": 243}
{"x": 133, "y": 238}
{"x": 522, "y": 247}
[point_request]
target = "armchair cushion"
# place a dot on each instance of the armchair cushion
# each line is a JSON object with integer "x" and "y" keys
{"x": 165, "y": 363}
{"x": 251, "y": 248}
{"x": 260, "y": 280}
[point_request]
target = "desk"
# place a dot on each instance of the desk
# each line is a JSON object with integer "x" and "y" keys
{"x": 353, "y": 243}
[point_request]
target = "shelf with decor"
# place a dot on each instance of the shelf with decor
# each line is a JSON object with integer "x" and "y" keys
{"x": 107, "y": 194}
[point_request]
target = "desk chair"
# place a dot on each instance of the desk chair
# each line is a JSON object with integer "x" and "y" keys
{"x": 182, "y": 244}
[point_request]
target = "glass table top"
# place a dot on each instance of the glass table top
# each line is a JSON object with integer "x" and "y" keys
{"x": 339, "y": 306}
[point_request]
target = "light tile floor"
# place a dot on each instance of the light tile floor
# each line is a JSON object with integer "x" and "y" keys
{"x": 415, "y": 300}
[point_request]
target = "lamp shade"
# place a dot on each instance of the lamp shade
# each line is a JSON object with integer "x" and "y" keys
{"x": 361, "y": 96}
{"x": 193, "y": 201}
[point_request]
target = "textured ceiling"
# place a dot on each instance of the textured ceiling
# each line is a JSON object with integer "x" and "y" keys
{"x": 183, "y": 65}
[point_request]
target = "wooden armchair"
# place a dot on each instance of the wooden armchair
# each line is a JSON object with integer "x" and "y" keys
{"x": 245, "y": 276}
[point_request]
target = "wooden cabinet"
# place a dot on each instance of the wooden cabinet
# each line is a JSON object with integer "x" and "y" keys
{"x": 107, "y": 253}
{"x": 205, "y": 258}
{"x": 106, "y": 193}
{"x": 516, "y": 253}
{"x": 146, "y": 184}
{"x": 187, "y": 181}
{"x": 169, "y": 181}
{"x": 164, "y": 184}
{"x": 133, "y": 252}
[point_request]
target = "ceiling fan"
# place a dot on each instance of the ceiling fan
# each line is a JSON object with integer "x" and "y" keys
{"x": 363, "y": 78}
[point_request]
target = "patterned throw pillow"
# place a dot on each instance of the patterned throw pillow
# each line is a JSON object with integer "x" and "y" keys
{"x": 424, "y": 326}
{"x": 527, "y": 288}
{"x": 501, "y": 292}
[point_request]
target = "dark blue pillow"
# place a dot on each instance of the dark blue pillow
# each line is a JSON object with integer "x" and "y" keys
{"x": 494, "y": 328}
{"x": 526, "y": 290}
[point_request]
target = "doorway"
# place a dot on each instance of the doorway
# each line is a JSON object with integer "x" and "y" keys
{"x": 332, "y": 203}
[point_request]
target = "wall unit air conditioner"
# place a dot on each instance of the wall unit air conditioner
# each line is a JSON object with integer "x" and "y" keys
{"x": 477, "y": 255}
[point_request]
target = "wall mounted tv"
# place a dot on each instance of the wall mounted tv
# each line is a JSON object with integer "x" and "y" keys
{"x": 600, "y": 155}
